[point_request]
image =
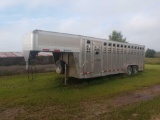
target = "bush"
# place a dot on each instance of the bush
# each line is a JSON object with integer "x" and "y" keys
{"x": 150, "y": 53}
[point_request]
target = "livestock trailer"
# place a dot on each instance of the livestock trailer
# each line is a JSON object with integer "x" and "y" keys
{"x": 84, "y": 57}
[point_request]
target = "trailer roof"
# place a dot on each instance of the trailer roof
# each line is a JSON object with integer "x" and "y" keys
{"x": 87, "y": 37}
{"x": 75, "y": 35}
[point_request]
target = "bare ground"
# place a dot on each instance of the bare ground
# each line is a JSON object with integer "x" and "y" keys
{"x": 90, "y": 109}
{"x": 103, "y": 106}
{"x": 155, "y": 117}
{"x": 17, "y": 69}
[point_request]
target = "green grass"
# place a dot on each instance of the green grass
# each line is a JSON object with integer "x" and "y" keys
{"x": 152, "y": 61}
{"x": 47, "y": 86}
{"x": 47, "y": 92}
{"x": 148, "y": 110}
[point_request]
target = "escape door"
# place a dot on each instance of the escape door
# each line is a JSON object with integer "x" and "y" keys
{"x": 97, "y": 58}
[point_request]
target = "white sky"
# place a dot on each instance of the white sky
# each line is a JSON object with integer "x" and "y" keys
{"x": 138, "y": 20}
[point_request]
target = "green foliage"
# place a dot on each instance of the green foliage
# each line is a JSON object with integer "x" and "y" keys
{"x": 117, "y": 36}
{"x": 150, "y": 53}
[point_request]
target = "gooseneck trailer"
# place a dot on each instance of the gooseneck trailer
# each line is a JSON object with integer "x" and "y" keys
{"x": 84, "y": 57}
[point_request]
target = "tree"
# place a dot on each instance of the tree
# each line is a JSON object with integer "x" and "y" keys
{"x": 117, "y": 36}
{"x": 157, "y": 54}
{"x": 150, "y": 53}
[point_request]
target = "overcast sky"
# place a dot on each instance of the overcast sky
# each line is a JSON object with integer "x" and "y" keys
{"x": 138, "y": 20}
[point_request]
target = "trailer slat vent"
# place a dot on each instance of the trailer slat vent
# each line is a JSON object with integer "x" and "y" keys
{"x": 45, "y": 49}
{"x": 56, "y": 50}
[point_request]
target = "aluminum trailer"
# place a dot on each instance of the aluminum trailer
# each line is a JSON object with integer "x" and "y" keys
{"x": 85, "y": 57}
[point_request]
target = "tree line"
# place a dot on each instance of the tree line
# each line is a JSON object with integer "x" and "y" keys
{"x": 117, "y": 36}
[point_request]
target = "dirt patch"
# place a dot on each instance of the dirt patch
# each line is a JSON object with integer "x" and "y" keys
{"x": 139, "y": 95}
{"x": 12, "y": 113}
{"x": 98, "y": 107}
{"x": 157, "y": 117}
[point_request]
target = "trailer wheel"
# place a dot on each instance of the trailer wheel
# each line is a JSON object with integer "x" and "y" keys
{"x": 129, "y": 70}
{"x": 60, "y": 67}
{"x": 135, "y": 69}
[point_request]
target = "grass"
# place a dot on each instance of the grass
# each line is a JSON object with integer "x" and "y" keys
{"x": 47, "y": 84}
{"x": 152, "y": 61}
{"x": 47, "y": 97}
{"x": 148, "y": 110}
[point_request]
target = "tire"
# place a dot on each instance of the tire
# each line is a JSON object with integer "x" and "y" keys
{"x": 129, "y": 70}
{"x": 60, "y": 67}
{"x": 134, "y": 69}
